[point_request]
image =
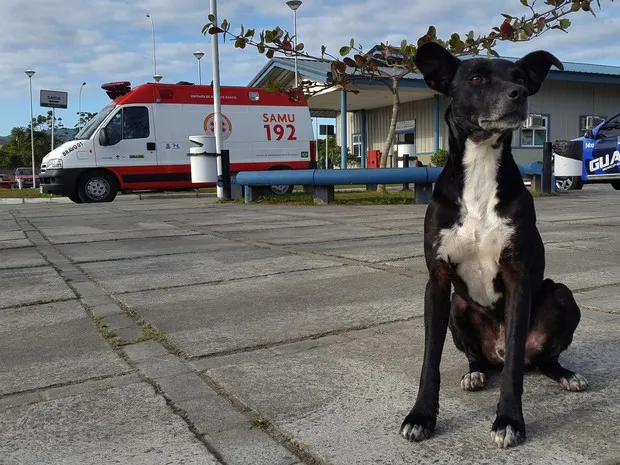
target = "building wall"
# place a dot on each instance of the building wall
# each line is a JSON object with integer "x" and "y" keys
{"x": 563, "y": 102}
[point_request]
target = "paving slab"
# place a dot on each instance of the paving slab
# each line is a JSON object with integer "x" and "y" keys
{"x": 43, "y": 345}
{"x": 373, "y": 250}
{"x": 20, "y": 258}
{"x": 206, "y": 319}
{"x": 145, "y": 247}
{"x": 24, "y": 286}
{"x": 307, "y": 235}
{"x": 192, "y": 268}
{"x": 128, "y": 424}
{"x": 344, "y": 402}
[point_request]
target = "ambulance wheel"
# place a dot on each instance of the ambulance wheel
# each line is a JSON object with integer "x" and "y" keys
{"x": 97, "y": 186}
{"x": 75, "y": 198}
{"x": 615, "y": 185}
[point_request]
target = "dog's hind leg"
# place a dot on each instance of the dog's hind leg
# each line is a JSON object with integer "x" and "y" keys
{"x": 555, "y": 321}
{"x": 467, "y": 338}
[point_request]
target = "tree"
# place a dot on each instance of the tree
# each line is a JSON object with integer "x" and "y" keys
{"x": 18, "y": 152}
{"x": 83, "y": 118}
{"x": 334, "y": 152}
{"x": 389, "y": 63}
{"x": 44, "y": 122}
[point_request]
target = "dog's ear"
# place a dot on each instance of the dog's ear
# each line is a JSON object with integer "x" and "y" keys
{"x": 437, "y": 65}
{"x": 537, "y": 65}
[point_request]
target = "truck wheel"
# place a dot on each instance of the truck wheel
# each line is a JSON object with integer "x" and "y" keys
{"x": 568, "y": 183}
{"x": 75, "y": 198}
{"x": 97, "y": 186}
{"x": 615, "y": 185}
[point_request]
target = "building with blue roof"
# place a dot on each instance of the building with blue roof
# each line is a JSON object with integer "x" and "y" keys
{"x": 569, "y": 102}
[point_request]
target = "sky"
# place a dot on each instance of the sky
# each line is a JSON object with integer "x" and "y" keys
{"x": 96, "y": 41}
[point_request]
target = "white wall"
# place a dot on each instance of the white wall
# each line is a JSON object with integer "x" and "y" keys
{"x": 563, "y": 101}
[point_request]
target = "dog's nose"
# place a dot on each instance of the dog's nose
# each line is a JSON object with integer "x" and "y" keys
{"x": 517, "y": 93}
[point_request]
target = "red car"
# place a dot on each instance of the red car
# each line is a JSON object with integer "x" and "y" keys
{"x": 25, "y": 174}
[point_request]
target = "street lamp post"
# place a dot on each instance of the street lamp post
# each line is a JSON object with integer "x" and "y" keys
{"x": 294, "y": 5}
{"x": 156, "y": 76}
{"x": 29, "y": 72}
{"x": 198, "y": 54}
{"x": 80, "y": 107}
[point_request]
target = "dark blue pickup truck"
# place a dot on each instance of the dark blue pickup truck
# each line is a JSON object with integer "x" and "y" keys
{"x": 601, "y": 157}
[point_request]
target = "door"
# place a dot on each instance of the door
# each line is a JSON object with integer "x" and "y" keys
{"x": 128, "y": 139}
{"x": 601, "y": 157}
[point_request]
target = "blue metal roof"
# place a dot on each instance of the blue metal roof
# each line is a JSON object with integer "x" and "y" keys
{"x": 321, "y": 71}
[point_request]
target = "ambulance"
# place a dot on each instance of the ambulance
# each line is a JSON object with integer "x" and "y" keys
{"x": 140, "y": 141}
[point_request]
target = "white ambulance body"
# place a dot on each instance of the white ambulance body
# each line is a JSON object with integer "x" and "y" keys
{"x": 141, "y": 140}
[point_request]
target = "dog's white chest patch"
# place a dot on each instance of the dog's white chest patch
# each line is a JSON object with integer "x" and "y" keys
{"x": 475, "y": 243}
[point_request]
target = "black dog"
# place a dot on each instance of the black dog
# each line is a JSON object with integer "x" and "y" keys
{"x": 480, "y": 236}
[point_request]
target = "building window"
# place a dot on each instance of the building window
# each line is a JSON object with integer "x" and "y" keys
{"x": 357, "y": 145}
{"x": 534, "y": 131}
{"x": 587, "y": 122}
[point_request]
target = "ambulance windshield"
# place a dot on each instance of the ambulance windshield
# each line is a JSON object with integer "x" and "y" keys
{"x": 88, "y": 130}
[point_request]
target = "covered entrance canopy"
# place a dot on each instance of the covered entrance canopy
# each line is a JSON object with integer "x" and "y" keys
{"x": 372, "y": 94}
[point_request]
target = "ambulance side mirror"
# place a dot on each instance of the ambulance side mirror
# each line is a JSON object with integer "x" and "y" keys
{"x": 103, "y": 137}
{"x": 589, "y": 134}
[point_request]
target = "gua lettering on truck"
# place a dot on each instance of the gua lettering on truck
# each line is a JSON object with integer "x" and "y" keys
{"x": 606, "y": 162}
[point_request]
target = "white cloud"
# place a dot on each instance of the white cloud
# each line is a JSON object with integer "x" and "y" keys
{"x": 96, "y": 41}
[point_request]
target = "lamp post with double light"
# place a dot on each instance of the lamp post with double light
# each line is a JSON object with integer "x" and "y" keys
{"x": 29, "y": 72}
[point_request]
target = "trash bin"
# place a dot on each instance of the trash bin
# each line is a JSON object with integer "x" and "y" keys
{"x": 373, "y": 158}
{"x": 203, "y": 159}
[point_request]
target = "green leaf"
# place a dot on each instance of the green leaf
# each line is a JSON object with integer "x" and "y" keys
{"x": 344, "y": 51}
{"x": 564, "y": 23}
{"x": 211, "y": 17}
{"x": 215, "y": 30}
{"x": 270, "y": 53}
{"x": 352, "y": 43}
{"x": 524, "y": 2}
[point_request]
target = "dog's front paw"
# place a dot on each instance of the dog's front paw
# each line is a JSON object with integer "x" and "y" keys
{"x": 473, "y": 381}
{"x": 507, "y": 432}
{"x": 575, "y": 383}
{"x": 417, "y": 427}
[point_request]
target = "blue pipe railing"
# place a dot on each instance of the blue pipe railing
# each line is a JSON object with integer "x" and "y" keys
{"x": 322, "y": 177}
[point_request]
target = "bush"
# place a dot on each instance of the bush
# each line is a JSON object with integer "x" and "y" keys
{"x": 439, "y": 158}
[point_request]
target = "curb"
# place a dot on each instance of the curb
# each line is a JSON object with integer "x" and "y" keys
{"x": 19, "y": 201}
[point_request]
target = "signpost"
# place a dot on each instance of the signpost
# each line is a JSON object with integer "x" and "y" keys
{"x": 53, "y": 99}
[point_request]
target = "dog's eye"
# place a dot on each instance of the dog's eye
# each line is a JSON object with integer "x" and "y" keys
{"x": 476, "y": 80}
{"x": 520, "y": 81}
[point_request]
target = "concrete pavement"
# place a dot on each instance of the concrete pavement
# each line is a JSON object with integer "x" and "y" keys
{"x": 183, "y": 331}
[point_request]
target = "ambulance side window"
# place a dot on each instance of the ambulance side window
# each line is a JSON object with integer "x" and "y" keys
{"x": 114, "y": 129}
{"x": 135, "y": 123}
